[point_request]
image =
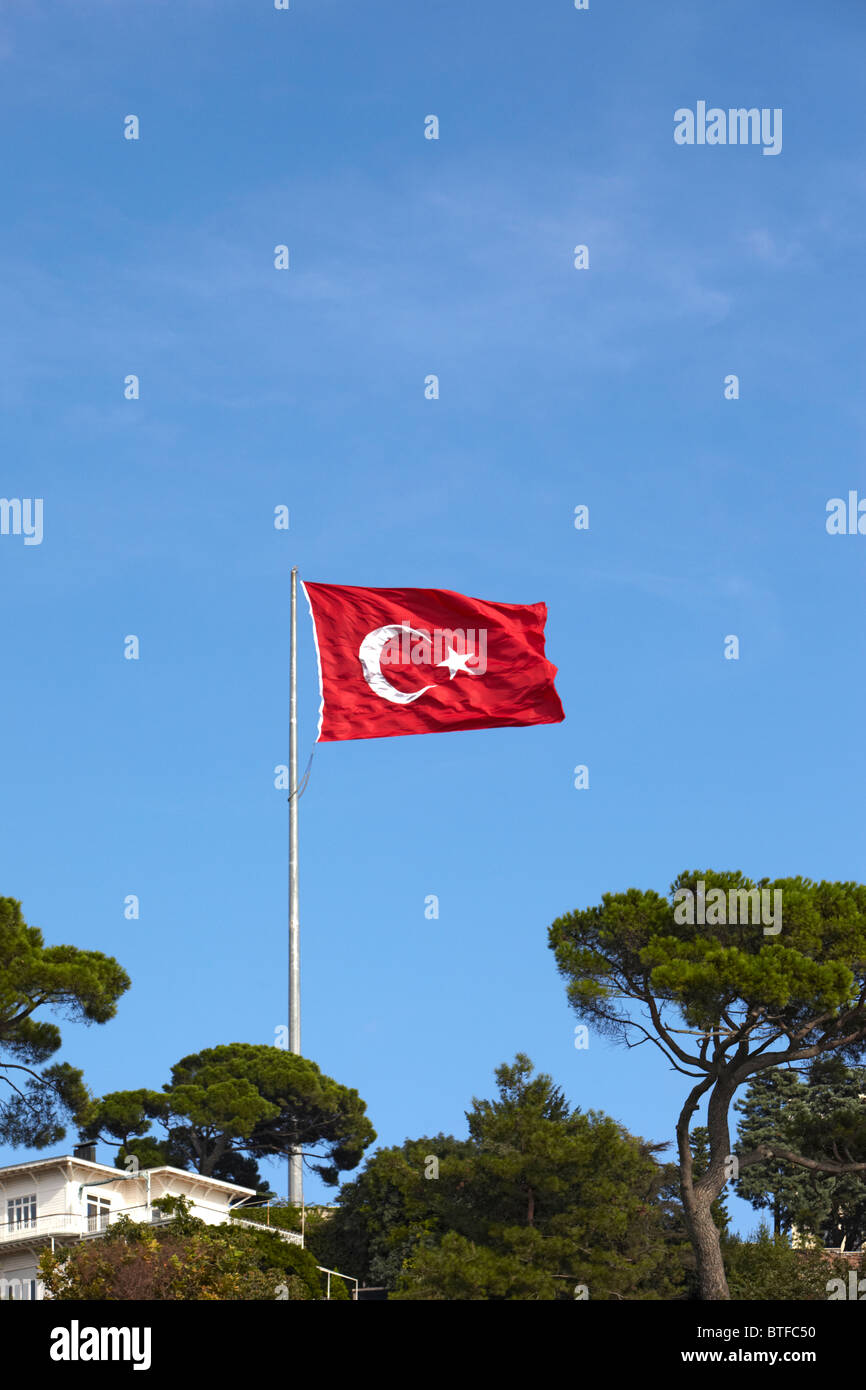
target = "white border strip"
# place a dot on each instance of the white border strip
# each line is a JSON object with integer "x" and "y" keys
{"x": 318, "y": 663}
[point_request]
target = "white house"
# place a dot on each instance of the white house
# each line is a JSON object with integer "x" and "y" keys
{"x": 47, "y": 1202}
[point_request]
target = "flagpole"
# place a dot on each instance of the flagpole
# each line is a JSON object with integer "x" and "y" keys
{"x": 296, "y": 1163}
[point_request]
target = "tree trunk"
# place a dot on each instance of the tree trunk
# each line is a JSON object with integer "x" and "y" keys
{"x": 209, "y": 1159}
{"x": 698, "y": 1195}
{"x": 705, "y": 1237}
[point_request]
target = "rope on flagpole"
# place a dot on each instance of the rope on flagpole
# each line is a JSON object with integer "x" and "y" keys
{"x": 302, "y": 785}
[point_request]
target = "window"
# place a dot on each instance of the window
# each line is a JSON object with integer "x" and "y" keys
{"x": 98, "y": 1213}
{"x": 21, "y": 1212}
{"x": 17, "y": 1289}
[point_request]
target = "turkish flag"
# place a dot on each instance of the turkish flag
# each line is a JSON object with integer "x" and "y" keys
{"x": 425, "y": 661}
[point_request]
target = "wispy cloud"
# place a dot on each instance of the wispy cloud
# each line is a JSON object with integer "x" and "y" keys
{"x": 474, "y": 268}
{"x": 770, "y": 250}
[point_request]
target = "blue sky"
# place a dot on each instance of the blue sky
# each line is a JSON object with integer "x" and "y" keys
{"x": 306, "y": 388}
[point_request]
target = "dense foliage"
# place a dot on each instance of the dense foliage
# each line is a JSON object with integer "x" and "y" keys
{"x": 37, "y": 1101}
{"x": 229, "y": 1106}
{"x": 724, "y": 994}
{"x": 183, "y": 1259}
{"x": 540, "y": 1202}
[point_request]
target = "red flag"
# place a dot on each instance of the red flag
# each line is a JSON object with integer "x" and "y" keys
{"x": 421, "y": 661}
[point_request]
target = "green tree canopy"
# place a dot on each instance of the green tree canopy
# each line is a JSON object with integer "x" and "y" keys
{"x": 768, "y": 1268}
{"x": 779, "y": 1188}
{"x": 82, "y": 986}
{"x": 538, "y": 1200}
{"x": 229, "y": 1106}
{"x": 180, "y": 1260}
{"x": 826, "y": 1121}
{"x": 722, "y": 1000}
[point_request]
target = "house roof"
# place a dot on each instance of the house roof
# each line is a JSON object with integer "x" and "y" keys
{"x": 108, "y": 1171}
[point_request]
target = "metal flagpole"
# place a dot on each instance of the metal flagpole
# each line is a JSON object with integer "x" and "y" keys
{"x": 296, "y": 1163}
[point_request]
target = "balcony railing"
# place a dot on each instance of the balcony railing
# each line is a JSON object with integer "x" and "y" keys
{"x": 66, "y": 1223}
{"x": 50, "y": 1224}
{"x": 71, "y": 1224}
{"x": 293, "y": 1237}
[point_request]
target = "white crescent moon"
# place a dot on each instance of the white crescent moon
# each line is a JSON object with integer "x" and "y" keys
{"x": 370, "y": 654}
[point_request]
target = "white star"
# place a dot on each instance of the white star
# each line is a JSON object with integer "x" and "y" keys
{"x": 457, "y": 662}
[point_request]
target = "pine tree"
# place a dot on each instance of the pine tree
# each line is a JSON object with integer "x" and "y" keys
{"x": 828, "y": 1120}
{"x": 38, "y": 1100}
{"x": 723, "y": 1000}
{"x": 542, "y": 1201}
{"x": 779, "y": 1188}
